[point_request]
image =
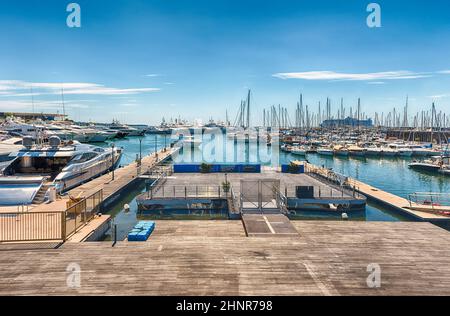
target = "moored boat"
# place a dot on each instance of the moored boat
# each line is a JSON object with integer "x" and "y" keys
{"x": 357, "y": 151}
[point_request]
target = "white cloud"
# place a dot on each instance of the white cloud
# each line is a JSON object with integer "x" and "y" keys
{"x": 445, "y": 72}
{"x": 22, "y": 88}
{"x": 109, "y": 91}
{"x": 152, "y": 75}
{"x": 20, "y": 105}
{"x": 331, "y": 75}
{"x": 376, "y": 82}
{"x": 439, "y": 96}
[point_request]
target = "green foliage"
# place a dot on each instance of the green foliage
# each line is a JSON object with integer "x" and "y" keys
{"x": 205, "y": 168}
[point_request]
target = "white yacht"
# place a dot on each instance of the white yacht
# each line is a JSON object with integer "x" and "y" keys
{"x": 64, "y": 165}
{"x": 340, "y": 150}
{"x": 437, "y": 163}
{"x": 356, "y": 151}
{"x": 298, "y": 150}
{"x": 374, "y": 151}
{"x": 423, "y": 150}
{"x": 324, "y": 151}
{"x": 18, "y": 128}
{"x": 92, "y": 135}
{"x": 401, "y": 150}
{"x": 128, "y": 130}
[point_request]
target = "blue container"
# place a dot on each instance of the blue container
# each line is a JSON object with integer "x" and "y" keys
{"x": 141, "y": 231}
{"x": 218, "y": 168}
{"x": 286, "y": 169}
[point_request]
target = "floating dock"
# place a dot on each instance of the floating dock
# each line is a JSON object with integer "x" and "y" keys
{"x": 267, "y": 192}
{"x": 421, "y": 213}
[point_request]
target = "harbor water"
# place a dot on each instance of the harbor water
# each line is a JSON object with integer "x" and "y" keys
{"x": 388, "y": 174}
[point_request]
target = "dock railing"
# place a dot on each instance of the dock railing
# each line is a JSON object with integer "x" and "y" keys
{"x": 49, "y": 225}
{"x": 185, "y": 191}
{"x": 79, "y": 214}
{"x": 31, "y": 226}
{"x": 429, "y": 200}
{"x": 232, "y": 201}
{"x": 334, "y": 180}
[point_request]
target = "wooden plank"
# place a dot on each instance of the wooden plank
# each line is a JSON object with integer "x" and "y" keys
{"x": 328, "y": 258}
{"x": 268, "y": 225}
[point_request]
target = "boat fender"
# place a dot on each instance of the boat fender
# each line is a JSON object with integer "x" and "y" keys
{"x": 344, "y": 216}
{"x": 126, "y": 208}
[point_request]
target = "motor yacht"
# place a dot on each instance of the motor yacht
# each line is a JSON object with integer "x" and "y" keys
{"x": 63, "y": 165}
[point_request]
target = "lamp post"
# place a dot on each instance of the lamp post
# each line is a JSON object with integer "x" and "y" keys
{"x": 156, "y": 147}
{"x": 112, "y": 160}
{"x": 140, "y": 150}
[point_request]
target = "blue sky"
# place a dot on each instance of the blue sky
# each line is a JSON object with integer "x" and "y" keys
{"x": 138, "y": 61}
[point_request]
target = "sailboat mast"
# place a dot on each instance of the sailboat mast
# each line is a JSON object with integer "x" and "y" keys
{"x": 248, "y": 109}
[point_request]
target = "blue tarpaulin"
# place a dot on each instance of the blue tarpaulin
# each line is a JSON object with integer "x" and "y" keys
{"x": 215, "y": 168}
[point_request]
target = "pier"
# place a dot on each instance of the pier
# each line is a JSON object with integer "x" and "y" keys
{"x": 419, "y": 212}
{"x": 402, "y": 205}
{"x": 215, "y": 258}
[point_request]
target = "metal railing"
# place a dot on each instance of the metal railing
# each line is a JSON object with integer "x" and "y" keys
{"x": 231, "y": 196}
{"x": 323, "y": 192}
{"x": 335, "y": 181}
{"x": 186, "y": 191}
{"x": 82, "y": 212}
{"x": 48, "y": 225}
{"x": 433, "y": 201}
{"x": 29, "y": 226}
{"x": 282, "y": 202}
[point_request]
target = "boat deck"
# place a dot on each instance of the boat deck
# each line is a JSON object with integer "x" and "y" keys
{"x": 325, "y": 258}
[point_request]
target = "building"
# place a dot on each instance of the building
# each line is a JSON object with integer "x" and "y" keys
{"x": 33, "y": 116}
{"x": 348, "y": 122}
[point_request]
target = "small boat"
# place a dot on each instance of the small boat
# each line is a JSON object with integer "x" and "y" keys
{"x": 435, "y": 164}
{"x": 401, "y": 150}
{"x": 423, "y": 151}
{"x": 341, "y": 151}
{"x": 389, "y": 152}
{"x": 374, "y": 151}
{"x": 357, "y": 151}
{"x": 324, "y": 151}
{"x": 286, "y": 148}
{"x": 298, "y": 150}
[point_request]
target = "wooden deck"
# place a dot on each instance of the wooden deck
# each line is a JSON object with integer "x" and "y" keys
{"x": 268, "y": 225}
{"x": 326, "y": 258}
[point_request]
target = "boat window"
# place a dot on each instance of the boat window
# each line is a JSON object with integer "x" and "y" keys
{"x": 82, "y": 158}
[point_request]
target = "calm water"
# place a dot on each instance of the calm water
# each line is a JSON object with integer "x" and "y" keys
{"x": 392, "y": 175}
